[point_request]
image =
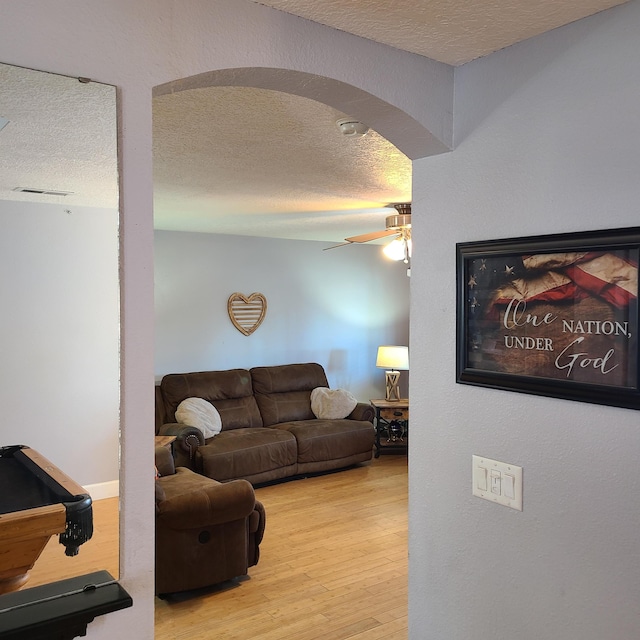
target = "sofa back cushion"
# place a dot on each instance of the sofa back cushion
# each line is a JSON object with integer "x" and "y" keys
{"x": 230, "y": 392}
{"x": 283, "y": 392}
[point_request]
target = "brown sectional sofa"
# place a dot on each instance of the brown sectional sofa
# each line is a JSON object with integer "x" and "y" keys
{"x": 269, "y": 431}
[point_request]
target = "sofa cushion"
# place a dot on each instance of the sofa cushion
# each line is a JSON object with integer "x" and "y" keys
{"x": 332, "y": 404}
{"x": 283, "y": 392}
{"x": 200, "y": 413}
{"x": 247, "y": 453}
{"x": 230, "y": 392}
{"x": 322, "y": 440}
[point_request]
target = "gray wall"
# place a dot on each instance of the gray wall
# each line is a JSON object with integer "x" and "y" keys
{"x": 333, "y": 307}
{"x": 547, "y": 141}
{"x": 59, "y": 379}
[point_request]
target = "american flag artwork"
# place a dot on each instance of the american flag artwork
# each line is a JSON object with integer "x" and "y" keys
{"x": 567, "y": 315}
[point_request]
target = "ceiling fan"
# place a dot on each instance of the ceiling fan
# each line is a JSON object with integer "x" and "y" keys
{"x": 398, "y": 225}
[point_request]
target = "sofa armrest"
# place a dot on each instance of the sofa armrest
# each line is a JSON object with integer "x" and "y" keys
{"x": 188, "y": 439}
{"x": 363, "y": 411}
{"x": 209, "y": 505}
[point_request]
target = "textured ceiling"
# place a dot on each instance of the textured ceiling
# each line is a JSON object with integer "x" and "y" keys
{"x": 253, "y": 161}
{"x": 450, "y": 31}
{"x": 61, "y": 136}
{"x": 238, "y": 159}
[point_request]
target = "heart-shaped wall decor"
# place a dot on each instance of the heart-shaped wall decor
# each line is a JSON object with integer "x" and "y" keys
{"x": 247, "y": 312}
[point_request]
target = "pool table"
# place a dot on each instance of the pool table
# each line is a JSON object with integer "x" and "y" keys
{"x": 37, "y": 501}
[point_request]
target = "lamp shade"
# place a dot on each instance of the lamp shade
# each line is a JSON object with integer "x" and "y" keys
{"x": 393, "y": 358}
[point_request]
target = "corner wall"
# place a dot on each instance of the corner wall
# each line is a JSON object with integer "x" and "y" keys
{"x": 547, "y": 140}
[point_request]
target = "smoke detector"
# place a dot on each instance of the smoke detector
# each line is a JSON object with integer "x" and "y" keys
{"x": 351, "y": 128}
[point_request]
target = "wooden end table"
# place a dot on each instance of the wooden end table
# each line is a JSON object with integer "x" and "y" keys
{"x": 165, "y": 441}
{"x": 392, "y": 425}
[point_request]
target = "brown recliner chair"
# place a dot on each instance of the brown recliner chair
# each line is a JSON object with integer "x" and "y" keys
{"x": 206, "y": 531}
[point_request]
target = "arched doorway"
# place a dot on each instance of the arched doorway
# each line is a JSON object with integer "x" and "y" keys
{"x": 402, "y": 129}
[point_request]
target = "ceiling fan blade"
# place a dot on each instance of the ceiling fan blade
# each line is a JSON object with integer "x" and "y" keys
{"x": 335, "y": 246}
{"x": 367, "y": 237}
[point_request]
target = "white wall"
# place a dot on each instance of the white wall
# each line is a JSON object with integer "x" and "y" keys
{"x": 333, "y": 307}
{"x": 59, "y": 380}
{"x": 547, "y": 140}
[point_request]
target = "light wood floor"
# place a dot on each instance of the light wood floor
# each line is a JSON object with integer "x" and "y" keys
{"x": 333, "y": 564}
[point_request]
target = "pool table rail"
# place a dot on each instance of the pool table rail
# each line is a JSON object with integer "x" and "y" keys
{"x": 20, "y": 548}
{"x": 38, "y": 501}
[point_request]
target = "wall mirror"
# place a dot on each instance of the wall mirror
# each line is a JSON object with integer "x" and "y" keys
{"x": 59, "y": 286}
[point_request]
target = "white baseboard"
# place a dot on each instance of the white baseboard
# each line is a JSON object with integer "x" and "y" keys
{"x": 103, "y": 490}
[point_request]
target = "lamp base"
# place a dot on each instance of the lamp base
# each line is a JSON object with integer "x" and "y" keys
{"x": 391, "y": 379}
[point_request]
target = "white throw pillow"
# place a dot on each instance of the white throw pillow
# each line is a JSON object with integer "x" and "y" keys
{"x": 199, "y": 413}
{"x": 332, "y": 404}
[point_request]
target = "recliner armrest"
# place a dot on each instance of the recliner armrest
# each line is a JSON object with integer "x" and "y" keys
{"x": 210, "y": 504}
{"x": 164, "y": 461}
{"x": 363, "y": 411}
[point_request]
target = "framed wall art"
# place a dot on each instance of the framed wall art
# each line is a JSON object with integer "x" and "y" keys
{"x": 552, "y": 315}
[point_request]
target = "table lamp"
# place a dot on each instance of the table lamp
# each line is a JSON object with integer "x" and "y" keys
{"x": 394, "y": 359}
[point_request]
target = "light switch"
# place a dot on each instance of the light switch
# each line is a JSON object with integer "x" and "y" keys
{"x": 509, "y": 486}
{"x": 481, "y": 478}
{"x": 498, "y": 482}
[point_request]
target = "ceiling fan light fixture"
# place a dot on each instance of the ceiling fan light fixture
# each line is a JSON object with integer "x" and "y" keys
{"x": 400, "y": 221}
{"x": 399, "y": 249}
{"x": 351, "y": 128}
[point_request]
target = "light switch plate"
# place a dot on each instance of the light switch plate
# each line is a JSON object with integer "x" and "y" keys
{"x": 497, "y": 482}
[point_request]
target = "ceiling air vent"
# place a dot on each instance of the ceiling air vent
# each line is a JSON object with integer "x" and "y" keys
{"x": 44, "y": 192}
